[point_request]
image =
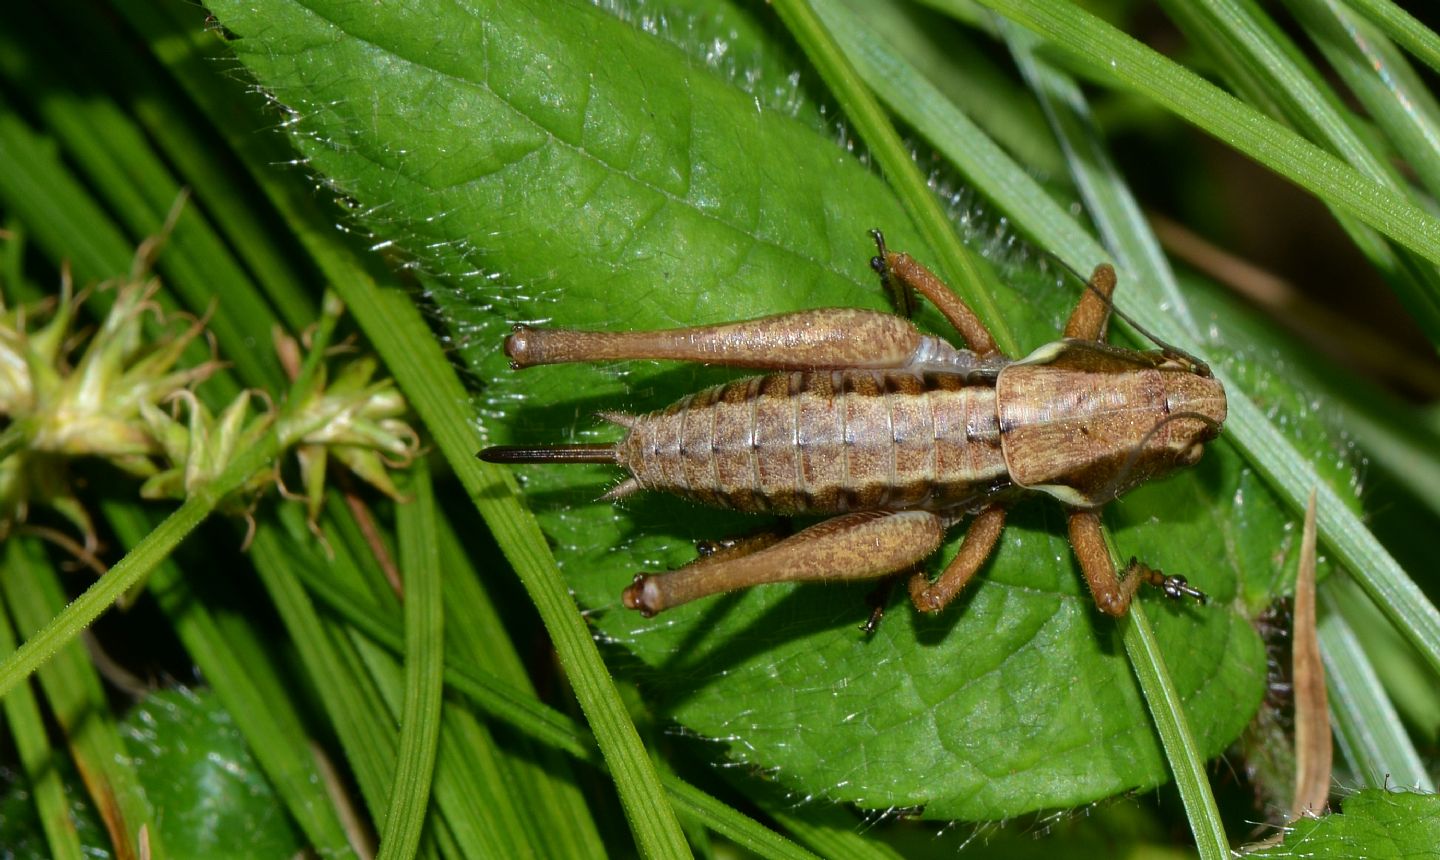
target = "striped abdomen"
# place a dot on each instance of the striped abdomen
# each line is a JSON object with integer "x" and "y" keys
{"x": 825, "y": 442}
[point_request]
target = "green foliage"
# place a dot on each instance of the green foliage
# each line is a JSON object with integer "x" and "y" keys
{"x": 209, "y": 797}
{"x": 637, "y": 164}
{"x": 607, "y": 200}
{"x": 1375, "y": 824}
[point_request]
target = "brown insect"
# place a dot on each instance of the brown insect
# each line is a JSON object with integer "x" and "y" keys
{"x": 898, "y": 434}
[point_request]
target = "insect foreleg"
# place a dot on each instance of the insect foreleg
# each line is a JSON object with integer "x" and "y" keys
{"x": 1113, "y": 594}
{"x": 822, "y": 339}
{"x": 862, "y": 545}
{"x": 911, "y": 274}
{"x": 980, "y": 539}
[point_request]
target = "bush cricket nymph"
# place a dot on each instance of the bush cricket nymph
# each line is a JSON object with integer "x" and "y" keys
{"x": 895, "y": 434}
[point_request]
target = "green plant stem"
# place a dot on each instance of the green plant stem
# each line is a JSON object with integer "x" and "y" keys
{"x": 1168, "y": 712}
{"x": 133, "y": 568}
{"x": 37, "y": 757}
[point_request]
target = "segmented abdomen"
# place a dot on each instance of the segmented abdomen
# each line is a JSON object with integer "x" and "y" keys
{"x": 825, "y": 442}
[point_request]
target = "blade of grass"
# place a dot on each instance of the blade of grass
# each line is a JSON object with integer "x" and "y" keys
{"x": 32, "y": 590}
{"x": 1382, "y": 80}
{"x": 1404, "y": 28}
{"x": 356, "y": 711}
{"x": 921, "y": 105}
{"x": 1168, "y": 712}
{"x": 1372, "y": 737}
{"x": 1113, "y": 54}
{"x": 105, "y": 50}
{"x": 967, "y": 273}
{"x": 1267, "y": 69}
{"x": 62, "y": 217}
{"x": 424, "y": 667}
{"x": 38, "y": 761}
{"x": 475, "y": 789}
{"x": 1103, "y": 189}
{"x": 117, "y": 158}
{"x": 953, "y": 60}
{"x": 538, "y": 773}
{"x": 409, "y": 351}
{"x": 263, "y": 714}
{"x": 504, "y": 701}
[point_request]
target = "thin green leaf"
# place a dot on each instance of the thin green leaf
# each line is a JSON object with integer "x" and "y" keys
{"x": 181, "y": 137}
{"x": 1269, "y": 71}
{"x": 954, "y": 60}
{"x": 505, "y": 702}
{"x": 481, "y": 787}
{"x": 537, "y": 773}
{"x": 76, "y": 699}
{"x": 1404, "y": 28}
{"x": 271, "y": 726}
{"x": 140, "y": 189}
{"x": 1115, "y": 55}
{"x": 37, "y": 759}
{"x": 424, "y": 668}
{"x": 62, "y": 217}
{"x": 1187, "y": 762}
{"x": 1371, "y": 735}
{"x": 972, "y": 278}
{"x": 364, "y": 727}
{"x": 1375, "y": 70}
{"x": 1108, "y": 200}
{"x": 922, "y": 106}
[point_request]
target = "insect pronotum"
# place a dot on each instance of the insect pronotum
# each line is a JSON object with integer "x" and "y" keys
{"x": 897, "y": 435}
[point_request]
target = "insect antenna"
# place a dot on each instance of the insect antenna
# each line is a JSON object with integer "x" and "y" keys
{"x": 588, "y": 453}
{"x": 1199, "y": 367}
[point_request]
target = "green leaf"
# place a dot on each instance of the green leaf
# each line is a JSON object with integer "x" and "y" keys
{"x": 1375, "y": 824}
{"x": 607, "y": 179}
{"x": 424, "y": 672}
{"x": 208, "y": 793}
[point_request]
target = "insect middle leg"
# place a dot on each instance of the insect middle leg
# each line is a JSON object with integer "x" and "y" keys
{"x": 1112, "y": 593}
{"x": 979, "y": 542}
{"x": 980, "y": 539}
{"x": 912, "y": 274}
{"x": 1092, "y": 312}
{"x": 862, "y": 545}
